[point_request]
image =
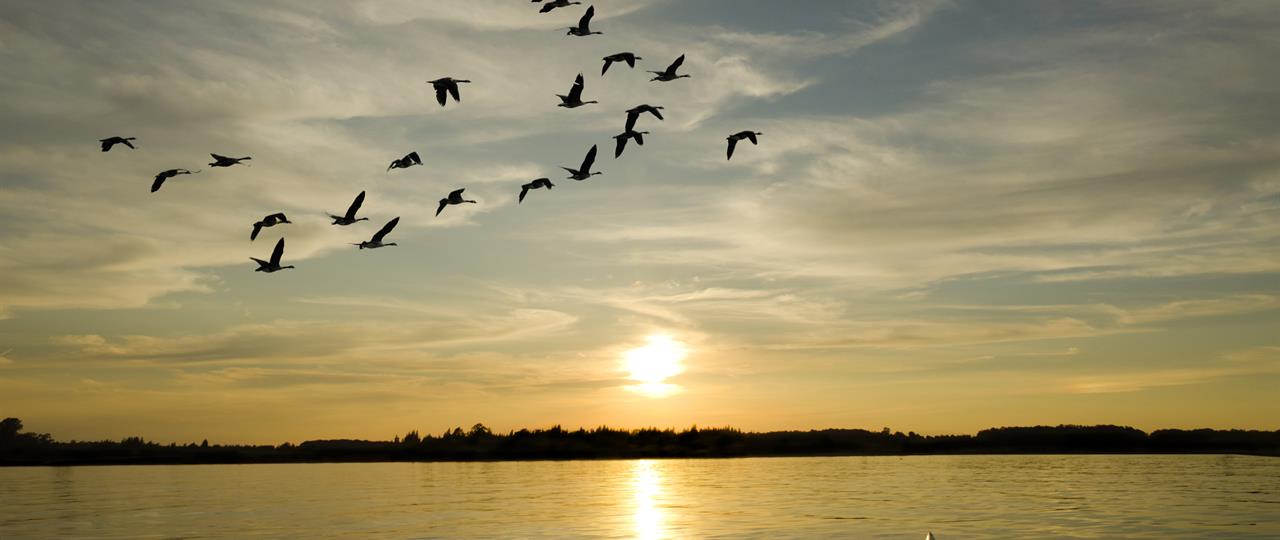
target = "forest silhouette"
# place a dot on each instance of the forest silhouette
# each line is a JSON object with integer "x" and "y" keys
{"x": 480, "y": 444}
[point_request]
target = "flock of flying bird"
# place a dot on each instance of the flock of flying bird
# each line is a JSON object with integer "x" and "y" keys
{"x": 445, "y": 88}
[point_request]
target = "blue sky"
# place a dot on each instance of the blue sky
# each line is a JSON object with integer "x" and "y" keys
{"x": 960, "y": 215}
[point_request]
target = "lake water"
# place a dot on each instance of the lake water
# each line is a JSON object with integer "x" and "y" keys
{"x": 956, "y": 497}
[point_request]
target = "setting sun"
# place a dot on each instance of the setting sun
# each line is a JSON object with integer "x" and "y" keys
{"x": 652, "y": 364}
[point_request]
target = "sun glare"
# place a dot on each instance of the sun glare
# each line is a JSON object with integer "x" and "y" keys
{"x": 654, "y": 363}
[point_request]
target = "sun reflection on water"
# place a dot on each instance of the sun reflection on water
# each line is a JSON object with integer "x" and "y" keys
{"x": 647, "y": 485}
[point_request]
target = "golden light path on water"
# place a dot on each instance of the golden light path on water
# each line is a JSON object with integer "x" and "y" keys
{"x": 651, "y": 365}
{"x": 647, "y": 486}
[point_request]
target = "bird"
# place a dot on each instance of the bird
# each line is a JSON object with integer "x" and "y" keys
{"x": 108, "y": 142}
{"x": 629, "y": 58}
{"x": 584, "y": 24}
{"x": 455, "y": 197}
{"x": 165, "y": 175}
{"x": 555, "y": 4}
{"x": 376, "y": 241}
{"x": 538, "y": 183}
{"x": 930, "y": 536}
{"x": 669, "y": 74}
{"x": 634, "y": 113}
{"x": 405, "y": 162}
{"x": 449, "y": 86}
{"x": 622, "y": 140}
{"x": 584, "y": 172}
{"x": 224, "y": 161}
{"x": 274, "y": 264}
{"x": 350, "y": 216}
{"x": 574, "y": 99}
{"x": 733, "y": 139}
{"x": 269, "y": 221}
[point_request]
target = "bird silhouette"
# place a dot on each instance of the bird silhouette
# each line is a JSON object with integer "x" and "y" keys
{"x": 108, "y": 142}
{"x": 547, "y": 7}
{"x": 634, "y": 113}
{"x": 269, "y": 221}
{"x": 584, "y": 172}
{"x": 405, "y": 162}
{"x": 584, "y": 24}
{"x": 622, "y": 140}
{"x": 272, "y": 265}
{"x": 538, "y": 183}
{"x": 376, "y": 241}
{"x": 574, "y": 99}
{"x": 445, "y": 87}
{"x": 733, "y": 139}
{"x": 669, "y": 74}
{"x": 455, "y": 197}
{"x": 629, "y": 58}
{"x": 224, "y": 161}
{"x": 165, "y": 175}
{"x": 350, "y": 216}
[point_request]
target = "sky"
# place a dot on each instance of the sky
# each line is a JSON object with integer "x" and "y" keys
{"x": 959, "y": 215}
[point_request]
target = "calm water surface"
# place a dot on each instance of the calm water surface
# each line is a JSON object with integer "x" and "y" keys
{"x": 848, "y": 497}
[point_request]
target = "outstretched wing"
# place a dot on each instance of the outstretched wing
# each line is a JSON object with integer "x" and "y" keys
{"x": 732, "y": 143}
{"x": 443, "y": 203}
{"x": 257, "y": 228}
{"x": 607, "y": 63}
{"x": 457, "y": 193}
{"x": 585, "y": 22}
{"x": 413, "y": 156}
{"x": 675, "y": 65}
{"x": 524, "y": 190}
{"x": 575, "y": 92}
{"x": 386, "y": 229}
{"x": 453, "y": 91}
{"x": 751, "y": 136}
{"x": 656, "y": 113}
{"x": 617, "y": 149}
{"x": 355, "y": 206}
{"x": 278, "y": 217}
{"x": 631, "y": 60}
{"x": 441, "y": 91}
{"x": 127, "y": 143}
{"x": 277, "y": 253}
{"x": 261, "y": 262}
{"x": 631, "y": 119}
{"x": 160, "y": 178}
{"x": 639, "y": 138}
{"x": 547, "y": 7}
{"x": 216, "y": 157}
{"x": 590, "y": 159}
{"x": 106, "y": 143}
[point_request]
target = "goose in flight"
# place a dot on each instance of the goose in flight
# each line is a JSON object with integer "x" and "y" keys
{"x": 555, "y": 4}
{"x": 622, "y": 140}
{"x": 350, "y": 216}
{"x": 108, "y": 142}
{"x": 629, "y": 58}
{"x": 539, "y": 183}
{"x": 447, "y": 86}
{"x": 455, "y": 197}
{"x": 272, "y": 265}
{"x": 574, "y": 99}
{"x": 165, "y": 175}
{"x": 405, "y": 162}
{"x": 733, "y": 139}
{"x": 584, "y": 24}
{"x": 584, "y": 172}
{"x": 376, "y": 241}
{"x": 669, "y": 74}
{"x": 634, "y": 113}
{"x": 224, "y": 161}
{"x": 269, "y": 221}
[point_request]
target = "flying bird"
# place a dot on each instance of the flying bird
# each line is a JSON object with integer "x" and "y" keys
{"x": 376, "y": 241}
{"x": 455, "y": 197}
{"x": 555, "y": 4}
{"x": 350, "y": 216}
{"x": 634, "y": 113}
{"x": 669, "y": 74}
{"x": 733, "y": 139}
{"x": 446, "y": 87}
{"x": 584, "y": 172}
{"x": 622, "y": 140}
{"x": 274, "y": 264}
{"x": 165, "y": 175}
{"x": 574, "y": 99}
{"x": 108, "y": 142}
{"x": 269, "y": 221}
{"x": 538, "y": 183}
{"x": 224, "y": 161}
{"x": 584, "y": 24}
{"x": 405, "y": 162}
{"x": 629, "y": 58}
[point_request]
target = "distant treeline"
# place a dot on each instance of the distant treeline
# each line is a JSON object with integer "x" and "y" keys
{"x": 479, "y": 443}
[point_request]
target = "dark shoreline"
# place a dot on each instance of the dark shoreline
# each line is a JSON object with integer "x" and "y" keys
{"x": 479, "y": 444}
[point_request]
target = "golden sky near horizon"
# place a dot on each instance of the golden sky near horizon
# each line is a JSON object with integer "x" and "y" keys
{"x": 960, "y": 215}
